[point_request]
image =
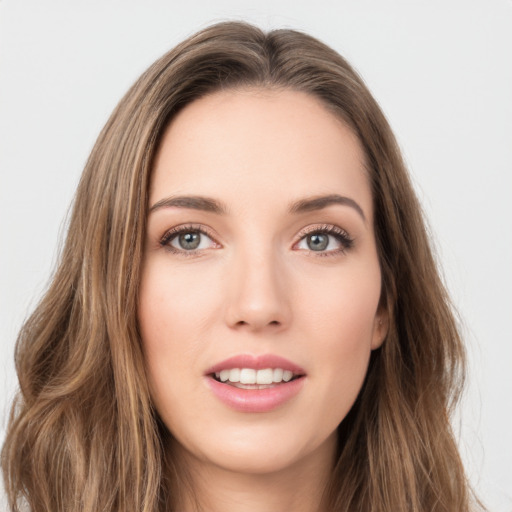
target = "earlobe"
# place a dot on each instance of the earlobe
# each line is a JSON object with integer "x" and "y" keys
{"x": 380, "y": 327}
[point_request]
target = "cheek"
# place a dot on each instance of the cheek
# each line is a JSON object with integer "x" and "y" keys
{"x": 171, "y": 306}
{"x": 162, "y": 320}
{"x": 338, "y": 324}
{"x": 342, "y": 311}
{"x": 176, "y": 314}
{"x": 173, "y": 299}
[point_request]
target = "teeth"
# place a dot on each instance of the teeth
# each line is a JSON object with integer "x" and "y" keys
{"x": 251, "y": 376}
{"x": 247, "y": 376}
{"x": 287, "y": 375}
{"x": 234, "y": 375}
{"x": 264, "y": 376}
{"x": 277, "y": 375}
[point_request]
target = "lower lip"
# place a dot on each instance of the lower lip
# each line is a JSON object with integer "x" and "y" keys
{"x": 255, "y": 400}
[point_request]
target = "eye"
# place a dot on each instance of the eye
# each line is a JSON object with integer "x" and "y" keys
{"x": 327, "y": 240}
{"x": 187, "y": 239}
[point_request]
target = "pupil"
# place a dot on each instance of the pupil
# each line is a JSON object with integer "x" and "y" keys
{"x": 318, "y": 242}
{"x": 189, "y": 240}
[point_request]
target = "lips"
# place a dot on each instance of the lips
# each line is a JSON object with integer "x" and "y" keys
{"x": 248, "y": 383}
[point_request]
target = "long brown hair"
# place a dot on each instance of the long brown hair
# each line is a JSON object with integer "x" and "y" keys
{"x": 83, "y": 435}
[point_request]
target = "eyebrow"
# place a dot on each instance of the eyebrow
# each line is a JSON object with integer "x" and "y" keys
{"x": 205, "y": 204}
{"x": 211, "y": 205}
{"x": 320, "y": 202}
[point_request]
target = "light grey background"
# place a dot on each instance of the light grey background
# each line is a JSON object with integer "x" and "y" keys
{"x": 442, "y": 72}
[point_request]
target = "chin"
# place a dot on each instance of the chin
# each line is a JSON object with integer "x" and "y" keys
{"x": 257, "y": 462}
{"x": 262, "y": 453}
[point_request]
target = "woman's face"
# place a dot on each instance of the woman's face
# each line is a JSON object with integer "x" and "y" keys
{"x": 259, "y": 298}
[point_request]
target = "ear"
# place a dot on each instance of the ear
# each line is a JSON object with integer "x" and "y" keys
{"x": 380, "y": 327}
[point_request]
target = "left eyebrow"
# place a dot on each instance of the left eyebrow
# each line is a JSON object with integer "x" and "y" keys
{"x": 320, "y": 202}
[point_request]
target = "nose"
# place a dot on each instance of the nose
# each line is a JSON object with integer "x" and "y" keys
{"x": 258, "y": 294}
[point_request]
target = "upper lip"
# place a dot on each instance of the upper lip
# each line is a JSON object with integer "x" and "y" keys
{"x": 257, "y": 363}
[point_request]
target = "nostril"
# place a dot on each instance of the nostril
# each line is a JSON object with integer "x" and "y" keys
{"x": 241, "y": 323}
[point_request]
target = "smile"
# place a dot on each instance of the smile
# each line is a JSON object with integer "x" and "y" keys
{"x": 248, "y": 383}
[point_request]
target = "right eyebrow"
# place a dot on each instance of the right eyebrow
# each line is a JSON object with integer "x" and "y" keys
{"x": 206, "y": 204}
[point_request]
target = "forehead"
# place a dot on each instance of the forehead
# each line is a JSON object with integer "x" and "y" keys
{"x": 248, "y": 145}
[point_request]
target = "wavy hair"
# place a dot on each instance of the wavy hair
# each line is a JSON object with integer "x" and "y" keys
{"x": 83, "y": 435}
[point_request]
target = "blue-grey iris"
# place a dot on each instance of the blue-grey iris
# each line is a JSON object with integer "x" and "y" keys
{"x": 190, "y": 241}
{"x": 318, "y": 242}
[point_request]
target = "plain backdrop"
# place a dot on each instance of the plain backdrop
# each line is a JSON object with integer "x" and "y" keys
{"x": 442, "y": 72}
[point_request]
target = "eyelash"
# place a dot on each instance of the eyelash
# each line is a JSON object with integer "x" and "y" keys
{"x": 339, "y": 234}
{"x": 188, "y": 228}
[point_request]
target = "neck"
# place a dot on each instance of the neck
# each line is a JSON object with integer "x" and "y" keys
{"x": 298, "y": 487}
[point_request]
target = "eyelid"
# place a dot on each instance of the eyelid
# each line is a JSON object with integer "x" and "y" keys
{"x": 341, "y": 234}
{"x": 322, "y": 228}
{"x": 184, "y": 228}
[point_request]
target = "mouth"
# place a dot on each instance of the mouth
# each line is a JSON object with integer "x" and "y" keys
{"x": 250, "y": 378}
{"x": 255, "y": 384}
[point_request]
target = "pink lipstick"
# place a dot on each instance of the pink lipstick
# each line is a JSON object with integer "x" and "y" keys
{"x": 249, "y": 383}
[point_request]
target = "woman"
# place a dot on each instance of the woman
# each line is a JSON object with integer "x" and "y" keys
{"x": 247, "y": 313}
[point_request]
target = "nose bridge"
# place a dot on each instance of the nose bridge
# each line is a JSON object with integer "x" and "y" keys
{"x": 257, "y": 287}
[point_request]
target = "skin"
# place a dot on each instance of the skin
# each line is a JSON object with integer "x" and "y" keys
{"x": 256, "y": 287}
